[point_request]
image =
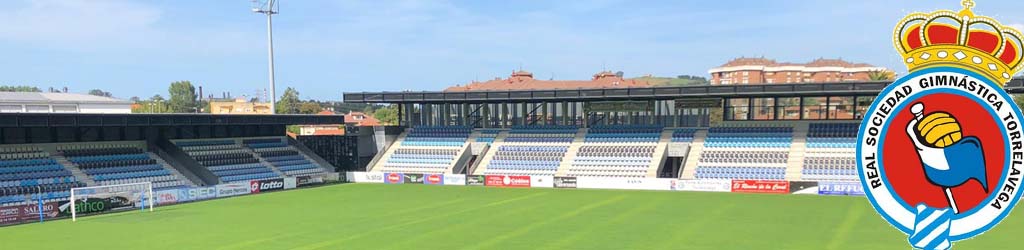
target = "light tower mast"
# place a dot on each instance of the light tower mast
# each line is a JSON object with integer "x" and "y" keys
{"x": 269, "y": 8}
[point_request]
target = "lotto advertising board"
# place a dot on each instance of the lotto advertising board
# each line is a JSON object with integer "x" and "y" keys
{"x": 704, "y": 185}
{"x": 266, "y": 185}
{"x": 507, "y": 181}
{"x": 840, "y": 188}
{"x": 760, "y": 186}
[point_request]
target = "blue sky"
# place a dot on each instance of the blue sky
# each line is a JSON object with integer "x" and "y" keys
{"x": 324, "y": 48}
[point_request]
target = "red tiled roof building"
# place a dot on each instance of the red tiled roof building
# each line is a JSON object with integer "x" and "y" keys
{"x": 767, "y": 71}
{"x": 523, "y": 80}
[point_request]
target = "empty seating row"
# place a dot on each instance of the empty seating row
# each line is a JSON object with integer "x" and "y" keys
{"x": 116, "y": 163}
{"x": 830, "y": 153}
{"x": 284, "y": 157}
{"x": 683, "y": 134}
{"x": 532, "y": 150}
{"x": 750, "y": 173}
{"x": 106, "y": 163}
{"x": 98, "y": 150}
{"x": 488, "y": 135}
{"x": 231, "y": 161}
{"x": 23, "y": 155}
{"x": 26, "y": 162}
{"x": 616, "y": 151}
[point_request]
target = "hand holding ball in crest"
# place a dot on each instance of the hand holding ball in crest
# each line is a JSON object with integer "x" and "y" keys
{"x": 949, "y": 158}
{"x": 938, "y": 129}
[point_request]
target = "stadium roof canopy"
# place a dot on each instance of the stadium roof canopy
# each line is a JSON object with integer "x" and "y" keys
{"x": 57, "y": 98}
{"x": 656, "y": 93}
{"x": 120, "y": 120}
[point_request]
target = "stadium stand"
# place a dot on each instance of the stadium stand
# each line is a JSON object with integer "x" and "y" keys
{"x": 228, "y": 159}
{"x": 284, "y": 157}
{"x": 830, "y": 153}
{"x": 111, "y": 164}
{"x": 28, "y": 172}
{"x": 487, "y": 135}
{"x": 759, "y": 153}
{"x": 426, "y": 149}
{"x": 616, "y": 151}
{"x": 530, "y": 150}
{"x": 740, "y": 151}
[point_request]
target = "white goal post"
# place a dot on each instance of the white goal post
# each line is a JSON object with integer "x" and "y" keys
{"x": 94, "y": 199}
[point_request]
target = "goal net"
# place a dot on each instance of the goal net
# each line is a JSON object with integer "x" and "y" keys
{"x": 98, "y": 199}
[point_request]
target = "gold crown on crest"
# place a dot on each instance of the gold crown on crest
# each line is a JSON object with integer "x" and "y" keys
{"x": 959, "y": 39}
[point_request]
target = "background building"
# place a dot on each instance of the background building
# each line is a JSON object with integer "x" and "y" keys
{"x": 352, "y": 119}
{"x": 238, "y": 106}
{"x": 523, "y": 80}
{"x": 34, "y": 102}
{"x": 767, "y": 71}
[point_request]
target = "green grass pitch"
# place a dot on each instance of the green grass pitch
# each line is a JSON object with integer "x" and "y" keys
{"x": 378, "y": 216}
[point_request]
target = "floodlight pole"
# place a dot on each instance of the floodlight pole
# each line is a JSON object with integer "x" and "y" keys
{"x": 268, "y": 10}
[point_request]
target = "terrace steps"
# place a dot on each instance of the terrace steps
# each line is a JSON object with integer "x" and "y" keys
{"x": 570, "y": 154}
{"x": 489, "y": 155}
{"x": 75, "y": 171}
{"x": 390, "y": 151}
{"x": 696, "y": 147}
{"x": 659, "y": 153}
{"x": 795, "y": 164}
{"x": 169, "y": 168}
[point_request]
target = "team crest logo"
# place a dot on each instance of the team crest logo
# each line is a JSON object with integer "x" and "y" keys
{"x": 940, "y": 150}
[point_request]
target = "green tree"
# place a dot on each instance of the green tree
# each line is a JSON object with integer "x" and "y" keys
{"x": 294, "y": 129}
{"x": 183, "y": 97}
{"x": 387, "y": 115}
{"x": 100, "y": 92}
{"x": 881, "y": 75}
{"x": 19, "y": 89}
{"x": 289, "y": 102}
{"x": 309, "y": 108}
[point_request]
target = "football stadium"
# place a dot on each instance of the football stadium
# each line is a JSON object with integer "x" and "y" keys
{"x": 511, "y": 163}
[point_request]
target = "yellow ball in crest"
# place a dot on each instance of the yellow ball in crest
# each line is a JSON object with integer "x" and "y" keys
{"x": 939, "y": 129}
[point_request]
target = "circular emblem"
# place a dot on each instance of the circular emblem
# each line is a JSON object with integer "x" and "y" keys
{"x": 939, "y": 154}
